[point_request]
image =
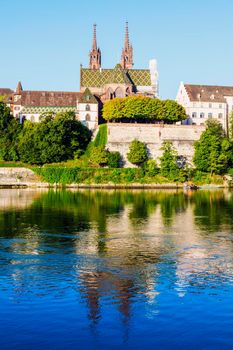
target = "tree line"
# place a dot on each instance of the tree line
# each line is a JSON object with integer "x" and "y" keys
{"x": 56, "y": 138}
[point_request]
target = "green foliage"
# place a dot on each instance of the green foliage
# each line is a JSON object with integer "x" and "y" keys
{"x": 114, "y": 159}
{"x": 231, "y": 125}
{"x": 102, "y": 136}
{"x": 142, "y": 108}
{"x": 172, "y": 111}
{"x": 55, "y": 139}
{"x": 9, "y": 134}
{"x": 151, "y": 168}
{"x": 168, "y": 162}
{"x": 137, "y": 154}
{"x": 98, "y": 156}
{"x": 63, "y": 175}
{"x": 213, "y": 152}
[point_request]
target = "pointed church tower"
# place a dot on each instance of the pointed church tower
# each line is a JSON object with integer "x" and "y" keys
{"x": 95, "y": 53}
{"x": 127, "y": 52}
{"x": 19, "y": 88}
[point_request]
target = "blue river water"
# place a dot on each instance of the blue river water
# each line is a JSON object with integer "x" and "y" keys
{"x": 116, "y": 270}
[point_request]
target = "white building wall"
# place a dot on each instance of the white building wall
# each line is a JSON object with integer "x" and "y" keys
{"x": 88, "y": 117}
{"x": 199, "y": 112}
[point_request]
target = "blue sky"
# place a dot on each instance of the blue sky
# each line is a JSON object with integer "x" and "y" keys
{"x": 43, "y": 42}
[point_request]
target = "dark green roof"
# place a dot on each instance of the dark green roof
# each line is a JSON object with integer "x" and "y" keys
{"x": 99, "y": 78}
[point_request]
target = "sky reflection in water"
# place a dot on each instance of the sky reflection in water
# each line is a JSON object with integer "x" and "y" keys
{"x": 116, "y": 270}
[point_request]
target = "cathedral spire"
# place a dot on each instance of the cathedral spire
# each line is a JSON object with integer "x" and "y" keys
{"x": 94, "y": 45}
{"x": 127, "y": 52}
{"x": 95, "y": 53}
{"x": 127, "y": 35}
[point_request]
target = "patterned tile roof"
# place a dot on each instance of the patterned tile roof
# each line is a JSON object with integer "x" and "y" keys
{"x": 208, "y": 93}
{"x": 44, "y": 109}
{"x": 99, "y": 78}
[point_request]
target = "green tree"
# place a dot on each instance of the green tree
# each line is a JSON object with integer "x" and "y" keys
{"x": 141, "y": 108}
{"x": 56, "y": 138}
{"x": 168, "y": 162}
{"x": 9, "y": 133}
{"x": 213, "y": 152}
{"x": 172, "y": 111}
{"x": 137, "y": 154}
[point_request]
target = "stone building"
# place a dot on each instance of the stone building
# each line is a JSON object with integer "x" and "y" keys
{"x": 203, "y": 102}
{"x": 120, "y": 81}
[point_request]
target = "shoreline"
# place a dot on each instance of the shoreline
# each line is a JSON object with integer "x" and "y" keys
{"x": 107, "y": 186}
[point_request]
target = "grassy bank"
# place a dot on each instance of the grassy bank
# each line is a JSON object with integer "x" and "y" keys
{"x": 125, "y": 176}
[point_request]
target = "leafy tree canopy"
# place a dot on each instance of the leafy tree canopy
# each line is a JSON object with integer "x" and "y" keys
{"x": 168, "y": 162}
{"x": 213, "y": 152}
{"x": 141, "y": 108}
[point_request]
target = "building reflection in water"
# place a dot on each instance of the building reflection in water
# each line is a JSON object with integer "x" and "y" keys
{"x": 115, "y": 247}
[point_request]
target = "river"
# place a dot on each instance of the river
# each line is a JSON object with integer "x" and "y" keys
{"x": 113, "y": 269}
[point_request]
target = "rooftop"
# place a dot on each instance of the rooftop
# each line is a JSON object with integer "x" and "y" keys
{"x": 101, "y": 77}
{"x": 208, "y": 93}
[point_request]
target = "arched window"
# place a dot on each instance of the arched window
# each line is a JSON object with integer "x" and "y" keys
{"x": 88, "y": 117}
{"x": 119, "y": 92}
{"x": 88, "y": 108}
{"x": 110, "y": 94}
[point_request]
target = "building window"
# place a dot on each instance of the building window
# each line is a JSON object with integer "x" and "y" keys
{"x": 210, "y": 115}
{"x": 220, "y": 106}
{"x": 202, "y": 115}
{"x": 194, "y": 115}
{"x": 210, "y": 105}
{"x": 88, "y": 108}
{"x": 202, "y": 105}
{"x": 88, "y": 118}
{"x": 220, "y": 115}
{"x": 32, "y": 118}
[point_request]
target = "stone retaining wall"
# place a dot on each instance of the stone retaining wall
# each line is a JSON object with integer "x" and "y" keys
{"x": 120, "y": 135}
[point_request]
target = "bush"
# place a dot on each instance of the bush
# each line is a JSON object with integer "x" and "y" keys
{"x": 151, "y": 168}
{"x": 98, "y": 156}
{"x": 114, "y": 159}
{"x": 137, "y": 154}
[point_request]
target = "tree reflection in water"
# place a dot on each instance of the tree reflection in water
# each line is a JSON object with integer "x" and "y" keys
{"x": 116, "y": 245}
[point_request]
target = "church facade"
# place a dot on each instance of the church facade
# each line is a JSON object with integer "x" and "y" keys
{"x": 122, "y": 80}
{"x": 97, "y": 85}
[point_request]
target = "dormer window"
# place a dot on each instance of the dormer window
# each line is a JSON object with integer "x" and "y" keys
{"x": 212, "y": 97}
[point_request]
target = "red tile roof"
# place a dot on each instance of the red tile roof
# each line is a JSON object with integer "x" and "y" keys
{"x": 49, "y": 98}
{"x": 208, "y": 93}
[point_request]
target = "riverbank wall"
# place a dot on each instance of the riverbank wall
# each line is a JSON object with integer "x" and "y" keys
{"x": 183, "y": 137}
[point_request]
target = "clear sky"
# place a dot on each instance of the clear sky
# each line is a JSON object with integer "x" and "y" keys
{"x": 43, "y": 42}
